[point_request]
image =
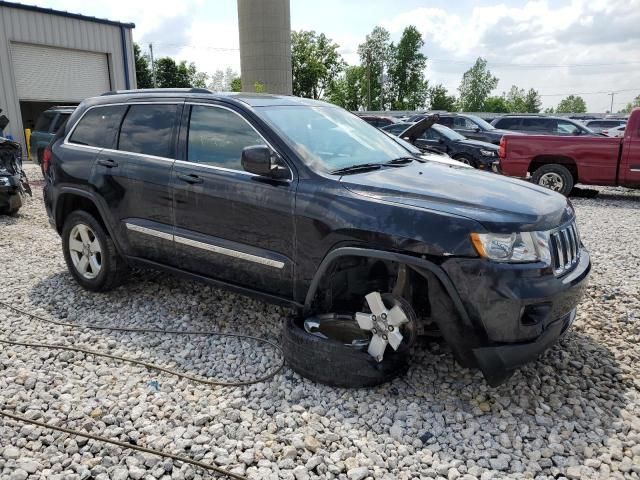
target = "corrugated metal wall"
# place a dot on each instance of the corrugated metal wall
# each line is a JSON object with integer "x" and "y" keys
{"x": 24, "y": 26}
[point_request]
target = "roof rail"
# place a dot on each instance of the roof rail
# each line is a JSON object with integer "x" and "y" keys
{"x": 159, "y": 90}
{"x": 63, "y": 106}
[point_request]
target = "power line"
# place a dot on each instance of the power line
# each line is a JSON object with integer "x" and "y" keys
{"x": 608, "y": 92}
{"x": 531, "y": 65}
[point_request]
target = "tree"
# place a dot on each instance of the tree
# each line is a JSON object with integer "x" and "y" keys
{"x": 532, "y": 101}
{"x": 170, "y": 74}
{"x": 440, "y": 100}
{"x": 549, "y": 110}
{"x": 631, "y": 105}
{"x": 496, "y": 105}
{"x": 221, "y": 80}
{"x": 144, "y": 78}
{"x": 407, "y": 87}
{"x": 516, "y": 100}
{"x": 350, "y": 89}
{"x": 477, "y": 83}
{"x": 572, "y": 104}
{"x": 315, "y": 63}
{"x": 236, "y": 84}
{"x": 374, "y": 57}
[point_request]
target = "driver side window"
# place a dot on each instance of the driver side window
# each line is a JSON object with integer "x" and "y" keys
{"x": 430, "y": 134}
{"x": 217, "y": 137}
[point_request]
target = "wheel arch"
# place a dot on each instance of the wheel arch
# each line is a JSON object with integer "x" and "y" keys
{"x": 563, "y": 160}
{"x": 417, "y": 264}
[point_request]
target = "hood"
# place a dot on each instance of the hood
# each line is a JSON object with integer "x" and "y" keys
{"x": 478, "y": 144}
{"x": 500, "y": 204}
{"x": 445, "y": 159}
{"x": 412, "y": 133}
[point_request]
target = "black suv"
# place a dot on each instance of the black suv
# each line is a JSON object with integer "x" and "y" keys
{"x": 45, "y": 129}
{"x": 541, "y": 125}
{"x": 472, "y": 126}
{"x": 302, "y": 203}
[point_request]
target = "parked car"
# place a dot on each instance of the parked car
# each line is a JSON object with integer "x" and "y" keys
{"x": 432, "y": 155}
{"x": 14, "y": 185}
{"x": 558, "y": 163}
{"x": 541, "y": 125}
{"x": 378, "y": 121}
{"x": 599, "y": 125}
{"x": 615, "y": 131}
{"x": 473, "y": 127}
{"x": 47, "y": 125}
{"x": 300, "y": 203}
{"x": 440, "y": 138}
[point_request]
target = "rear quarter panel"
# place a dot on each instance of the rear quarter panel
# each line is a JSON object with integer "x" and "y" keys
{"x": 595, "y": 158}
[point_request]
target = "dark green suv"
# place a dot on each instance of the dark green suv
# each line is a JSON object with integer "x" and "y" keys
{"x": 47, "y": 125}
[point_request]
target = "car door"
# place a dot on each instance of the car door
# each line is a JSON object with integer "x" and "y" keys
{"x": 466, "y": 127}
{"x": 630, "y": 155}
{"x": 230, "y": 224}
{"x": 432, "y": 139}
{"x": 146, "y": 152}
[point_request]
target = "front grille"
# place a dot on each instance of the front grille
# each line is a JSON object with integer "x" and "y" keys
{"x": 565, "y": 248}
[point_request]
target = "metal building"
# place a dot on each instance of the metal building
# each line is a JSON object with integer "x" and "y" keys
{"x": 50, "y": 57}
{"x": 265, "y": 45}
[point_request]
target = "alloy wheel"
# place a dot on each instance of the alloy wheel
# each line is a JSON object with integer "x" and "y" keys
{"x": 85, "y": 251}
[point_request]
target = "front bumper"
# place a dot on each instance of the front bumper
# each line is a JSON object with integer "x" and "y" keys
{"x": 518, "y": 310}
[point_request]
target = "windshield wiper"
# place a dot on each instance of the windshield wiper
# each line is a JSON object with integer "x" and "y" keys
{"x": 363, "y": 167}
{"x": 402, "y": 161}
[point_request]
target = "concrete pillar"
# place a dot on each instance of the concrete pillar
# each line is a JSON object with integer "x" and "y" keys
{"x": 265, "y": 45}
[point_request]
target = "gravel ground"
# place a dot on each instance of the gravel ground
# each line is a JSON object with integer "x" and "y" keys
{"x": 575, "y": 413}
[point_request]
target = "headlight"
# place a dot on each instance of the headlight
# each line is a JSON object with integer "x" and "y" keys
{"x": 514, "y": 247}
{"x": 487, "y": 153}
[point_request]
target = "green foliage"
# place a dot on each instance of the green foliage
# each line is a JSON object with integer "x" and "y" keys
{"x": 477, "y": 83}
{"x": 532, "y": 101}
{"x": 496, "y": 105}
{"x": 143, "y": 70}
{"x": 549, "y": 110}
{"x": 572, "y": 104}
{"x": 441, "y": 100}
{"x": 375, "y": 54}
{"x": 236, "y": 84}
{"x": 259, "y": 87}
{"x": 631, "y": 105}
{"x": 221, "y": 81}
{"x": 170, "y": 74}
{"x": 408, "y": 89}
{"x": 350, "y": 89}
{"x": 515, "y": 100}
{"x": 315, "y": 63}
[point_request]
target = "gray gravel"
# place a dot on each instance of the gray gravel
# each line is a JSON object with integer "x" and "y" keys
{"x": 575, "y": 413}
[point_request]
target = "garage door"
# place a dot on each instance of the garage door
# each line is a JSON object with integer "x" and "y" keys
{"x": 58, "y": 74}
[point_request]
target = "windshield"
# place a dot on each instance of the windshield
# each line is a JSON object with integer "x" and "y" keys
{"x": 484, "y": 125}
{"x": 447, "y": 132}
{"x": 330, "y": 138}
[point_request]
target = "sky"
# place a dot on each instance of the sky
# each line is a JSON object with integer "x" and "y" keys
{"x": 558, "y": 47}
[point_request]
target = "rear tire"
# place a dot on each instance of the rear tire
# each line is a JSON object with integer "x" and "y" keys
{"x": 108, "y": 269}
{"x": 554, "y": 177}
{"x": 332, "y": 363}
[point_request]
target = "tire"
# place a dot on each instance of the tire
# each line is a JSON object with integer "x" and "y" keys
{"x": 112, "y": 267}
{"x": 466, "y": 159}
{"x": 332, "y": 363}
{"x": 554, "y": 177}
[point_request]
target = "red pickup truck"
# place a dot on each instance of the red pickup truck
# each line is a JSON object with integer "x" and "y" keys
{"x": 560, "y": 162}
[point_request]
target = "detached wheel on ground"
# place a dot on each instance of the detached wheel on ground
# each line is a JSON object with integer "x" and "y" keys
{"x": 342, "y": 350}
{"x": 90, "y": 253}
{"x": 554, "y": 177}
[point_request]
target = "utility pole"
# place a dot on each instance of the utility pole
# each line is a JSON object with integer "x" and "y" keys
{"x": 153, "y": 67}
{"x": 612, "y": 95}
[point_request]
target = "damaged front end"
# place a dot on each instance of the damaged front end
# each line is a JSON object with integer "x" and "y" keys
{"x": 14, "y": 185}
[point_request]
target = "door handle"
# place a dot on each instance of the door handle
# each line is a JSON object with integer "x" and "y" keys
{"x": 107, "y": 162}
{"x": 190, "y": 178}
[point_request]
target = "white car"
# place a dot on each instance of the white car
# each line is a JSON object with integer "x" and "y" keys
{"x": 615, "y": 131}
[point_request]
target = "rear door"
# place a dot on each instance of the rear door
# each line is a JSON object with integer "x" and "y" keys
{"x": 230, "y": 224}
{"x": 431, "y": 138}
{"x": 146, "y": 151}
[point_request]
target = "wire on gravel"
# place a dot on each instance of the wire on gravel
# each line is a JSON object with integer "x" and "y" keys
{"x": 148, "y": 365}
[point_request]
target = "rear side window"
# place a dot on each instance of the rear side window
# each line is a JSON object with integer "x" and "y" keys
{"x": 61, "y": 121}
{"x": 148, "y": 129}
{"x": 44, "y": 122}
{"x": 446, "y": 121}
{"x": 99, "y": 126}
{"x": 508, "y": 123}
{"x": 537, "y": 125}
{"x": 217, "y": 137}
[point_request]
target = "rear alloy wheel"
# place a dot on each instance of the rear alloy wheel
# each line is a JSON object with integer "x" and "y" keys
{"x": 466, "y": 160}
{"x": 90, "y": 253}
{"x": 554, "y": 177}
{"x": 342, "y": 350}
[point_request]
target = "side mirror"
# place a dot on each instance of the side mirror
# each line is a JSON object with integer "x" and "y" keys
{"x": 4, "y": 121}
{"x": 441, "y": 140}
{"x": 261, "y": 160}
{"x": 476, "y": 129}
